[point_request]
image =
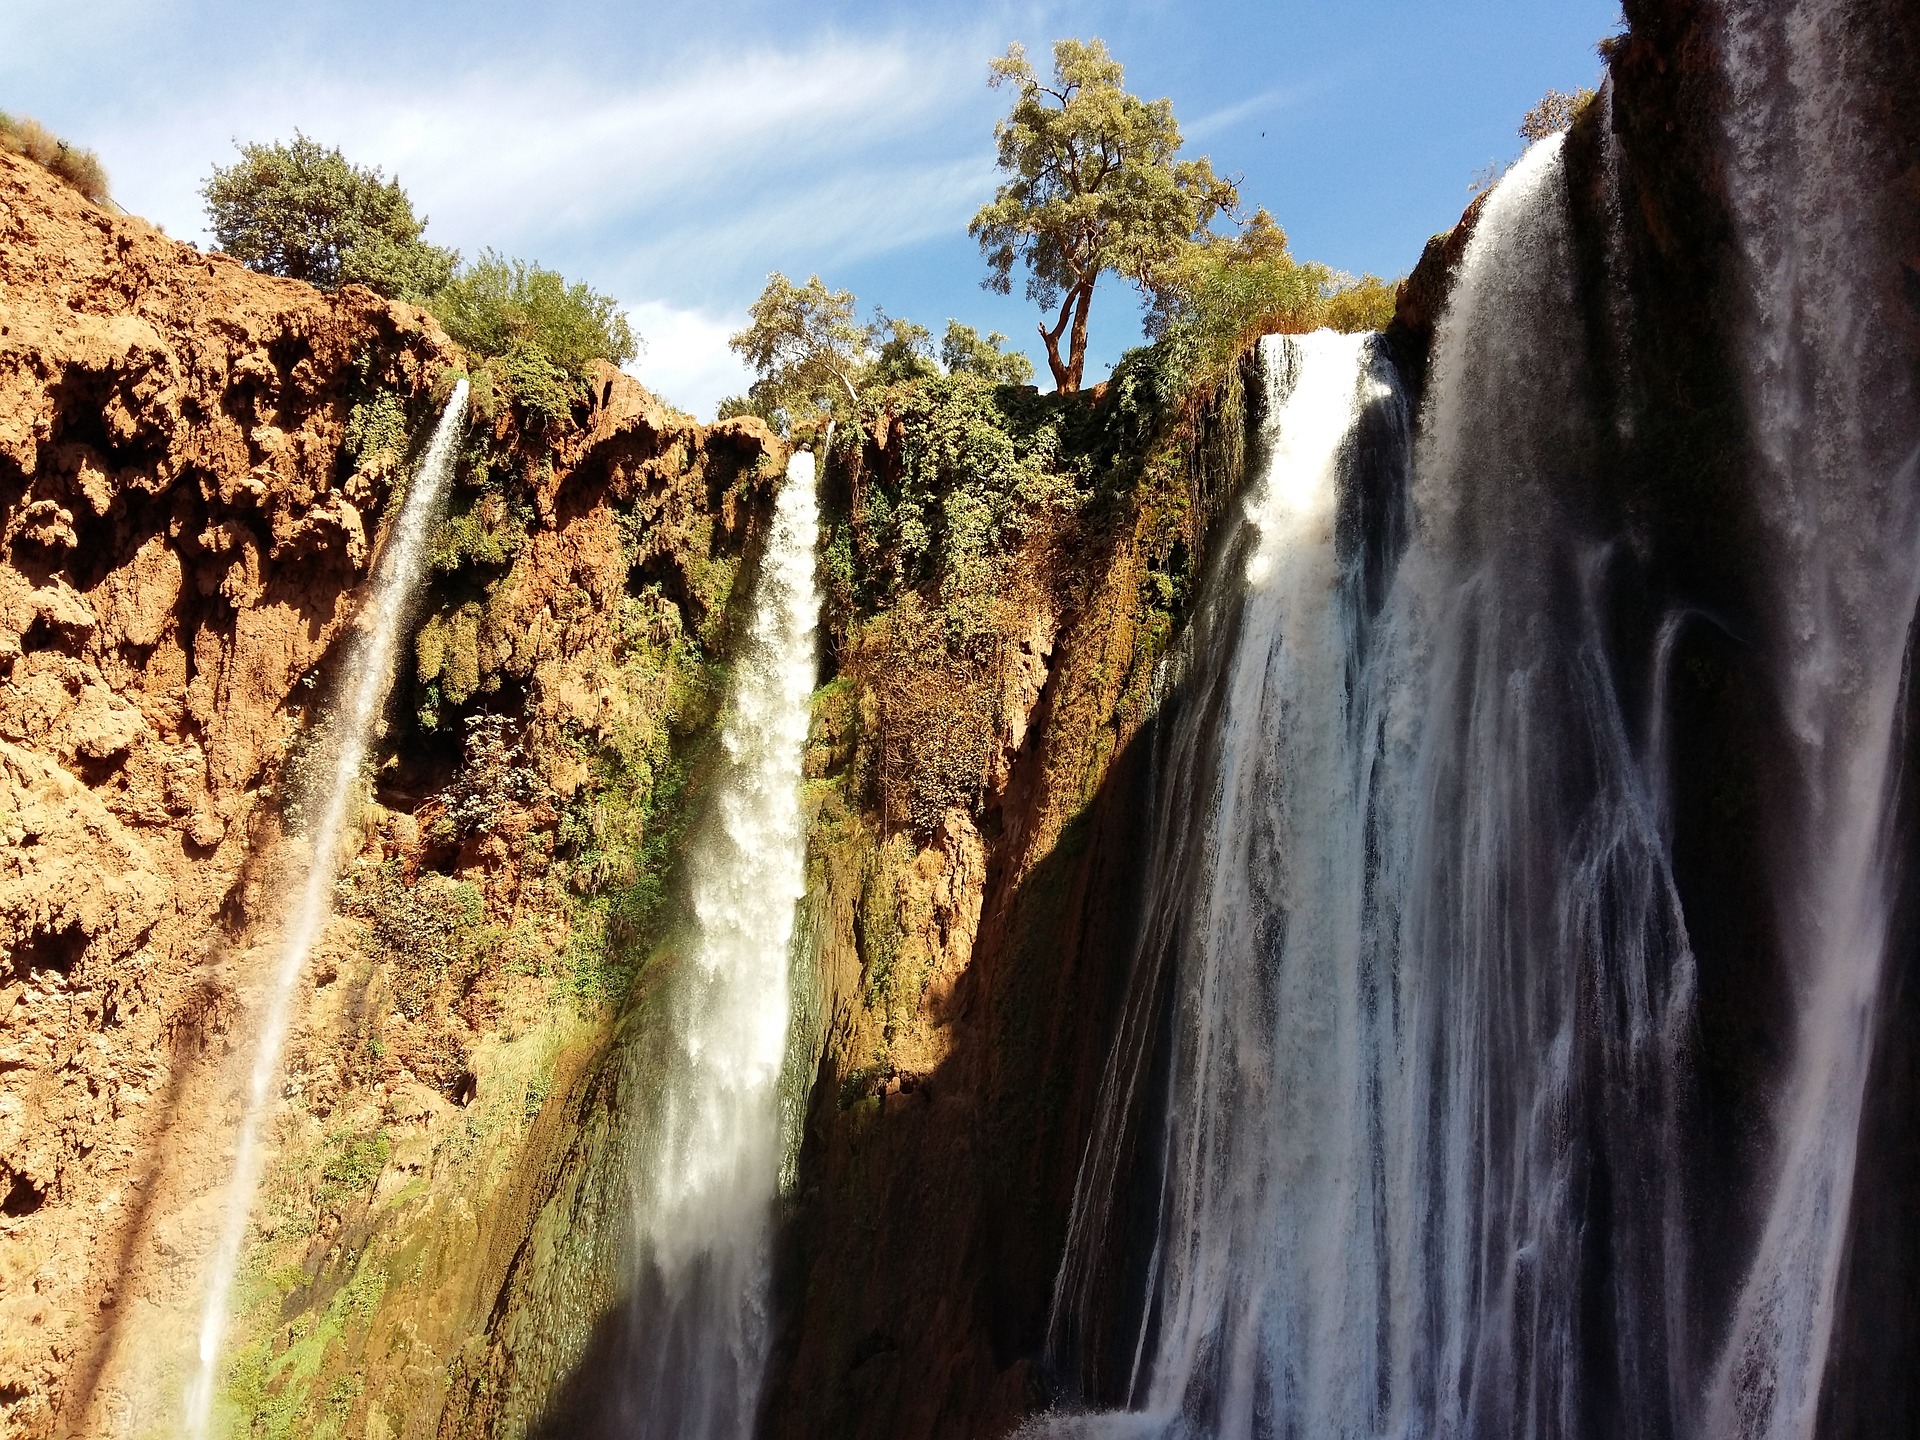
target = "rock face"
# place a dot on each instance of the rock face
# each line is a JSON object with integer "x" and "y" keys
{"x": 194, "y": 465}
{"x": 179, "y": 544}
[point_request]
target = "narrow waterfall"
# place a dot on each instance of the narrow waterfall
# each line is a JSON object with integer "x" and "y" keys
{"x": 706, "y": 1146}
{"x": 367, "y": 673}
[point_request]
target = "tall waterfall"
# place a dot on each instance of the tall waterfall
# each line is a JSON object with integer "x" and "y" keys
{"x": 1830, "y": 390}
{"x": 367, "y": 673}
{"x": 1436, "y": 1136}
{"x": 706, "y": 1148}
{"x": 1432, "y": 992}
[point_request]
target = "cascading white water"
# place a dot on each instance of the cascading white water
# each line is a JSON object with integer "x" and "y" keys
{"x": 1835, "y": 427}
{"x": 367, "y": 673}
{"x": 707, "y": 1149}
{"x": 1266, "y": 1217}
{"x": 1432, "y": 991}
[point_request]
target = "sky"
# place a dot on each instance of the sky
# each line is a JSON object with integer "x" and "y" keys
{"x": 673, "y": 153}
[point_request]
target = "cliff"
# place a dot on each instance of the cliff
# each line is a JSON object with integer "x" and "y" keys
{"x": 195, "y": 463}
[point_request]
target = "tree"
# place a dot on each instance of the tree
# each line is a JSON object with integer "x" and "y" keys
{"x": 964, "y": 351}
{"x": 305, "y": 211}
{"x": 497, "y": 306}
{"x": 902, "y": 350}
{"x": 804, "y": 344}
{"x": 1093, "y": 186}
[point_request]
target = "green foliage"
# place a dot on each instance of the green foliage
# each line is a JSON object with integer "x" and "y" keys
{"x": 1358, "y": 305}
{"x": 352, "y": 1166}
{"x": 733, "y": 405}
{"x": 621, "y": 833}
{"x": 498, "y": 307}
{"x": 964, "y": 351}
{"x": 305, "y": 211}
{"x": 494, "y": 775}
{"x": 1217, "y": 295}
{"x": 980, "y": 465}
{"x": 805, "y": 347}
{"x": 542, "y": 388}
{"x": 424, "y": 930}
{"x": 488, "y": 533}
{"x": 902, "y": 350}
{"x": 1093, "y": 185}
{"x": 376, "y": 439}
{"x": 79, "y": 169}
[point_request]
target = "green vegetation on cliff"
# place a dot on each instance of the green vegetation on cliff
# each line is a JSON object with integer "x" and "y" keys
{"x": 500, "y": 307}
{"x": 305, "y": 211}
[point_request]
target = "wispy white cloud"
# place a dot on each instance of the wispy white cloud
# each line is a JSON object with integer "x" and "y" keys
{"x": 676, "y": 192}
{"x": 1216, "y": 122}
{"x": 515, "y": 158}
{"x": 845, "y": 216}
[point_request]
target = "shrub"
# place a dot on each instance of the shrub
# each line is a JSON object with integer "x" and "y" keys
{"x": 1220, "y": 295}
{"x": 1355, "y": 305}
{"x": 495, "y": 776}
{"x": 541, "y": 387}
{"x": 423, "y": 931}
{"x": 1552, "y": 113}
{"x": 376, "y": 438}
{"x": 305, "y": 211}
{"x": 515, "y": 309}
{"x": 80, "y": 169}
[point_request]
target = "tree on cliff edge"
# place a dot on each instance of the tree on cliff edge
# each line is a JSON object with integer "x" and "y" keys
{"x": 305, "y": 211}
{"x": 1094, "y": 185}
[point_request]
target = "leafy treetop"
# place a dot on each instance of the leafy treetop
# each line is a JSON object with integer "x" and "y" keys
{"x": 1217, "y": 295}
{"x": 497, "y": 306}
{"x": 1093, "y": 185}
{"x": 902, "y": 349}
{"x": 964, "y": 351}
{"x": 805, "y": 345}
{"x": 810, "y": 351}
{"x": 305, "y": 211}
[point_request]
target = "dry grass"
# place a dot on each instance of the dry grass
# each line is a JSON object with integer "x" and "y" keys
{"x": 81, "y": 169}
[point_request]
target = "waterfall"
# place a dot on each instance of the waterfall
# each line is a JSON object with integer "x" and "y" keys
{"x": 706, "y": 1145}
{"x": 367, "y": 672}
{"x": 1836, "y": 439}
{"x": 1432, "y": 992}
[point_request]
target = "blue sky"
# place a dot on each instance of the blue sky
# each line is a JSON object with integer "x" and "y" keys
{"x": 673, "y": 153}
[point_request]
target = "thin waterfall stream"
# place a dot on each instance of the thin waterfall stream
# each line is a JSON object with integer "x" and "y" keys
{"x": 368, "y": 674}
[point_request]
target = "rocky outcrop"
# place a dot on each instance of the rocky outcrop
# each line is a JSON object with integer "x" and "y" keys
{"x": 195, "y": 462}
{"x": 180, "y": 541}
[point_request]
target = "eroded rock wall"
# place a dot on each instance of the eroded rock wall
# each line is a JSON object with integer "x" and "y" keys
{"x": 195, "y": 461}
